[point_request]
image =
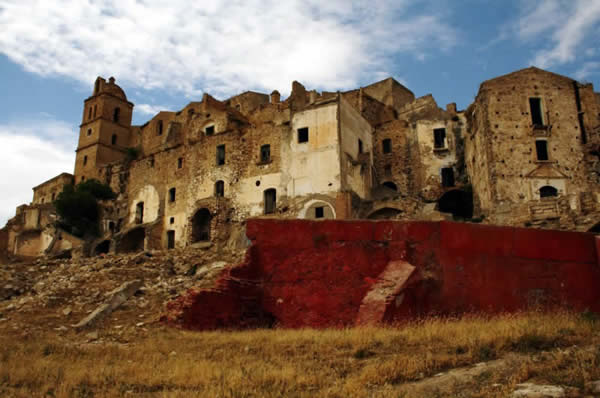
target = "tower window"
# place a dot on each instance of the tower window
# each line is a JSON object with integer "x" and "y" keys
{"x": 219, "y": 189}
{"x": 447, "y": 177}
{"x": 535, "y": 104}
{"x": 265, "y": 153}
{"x": 179, "y": 163}
{"x": 159, "y": 127}
{"x": 387, "y": 145}
{"x": 220, "y": 155}
{"x": 439, "y": 138}
{"x": 270, "y": 200}
{"x": 113, "y": 139}
{"x": 95, "y": 109}
{"x": 303, "y": 135}
{"x": 209, "y": 130}
{"x": 360, "y": 146}
{"x": 90, "y": 113}
{"x": 116, "y": 114}
{"x": 85, "y": 160}
{"x": 152, "y": 161}
{"x": 541, "y": 148}
{"x": 172, "y": 195}
{"x": 89, "y": 132}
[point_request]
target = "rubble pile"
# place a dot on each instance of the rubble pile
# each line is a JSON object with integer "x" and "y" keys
{"x": 110, "y": 295}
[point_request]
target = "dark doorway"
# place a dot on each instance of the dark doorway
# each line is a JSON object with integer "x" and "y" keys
{"x": 170, "y": 239}
{"x": 270, "y": 201}
{"x": 457, "y": 202}
{"x": 201, "y": 226}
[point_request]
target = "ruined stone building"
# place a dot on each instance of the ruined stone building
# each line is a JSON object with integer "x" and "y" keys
{"x": 525, "y": 153}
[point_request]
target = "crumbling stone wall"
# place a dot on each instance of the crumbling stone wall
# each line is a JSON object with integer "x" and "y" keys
{"x": 48, "y": 191}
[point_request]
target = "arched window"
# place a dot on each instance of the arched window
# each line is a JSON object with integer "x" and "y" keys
{"x": 548, "y": 191}
{"x": 219, "y": 189}
{"x": 113, "y": 139}
{"x": 116, "y": 115}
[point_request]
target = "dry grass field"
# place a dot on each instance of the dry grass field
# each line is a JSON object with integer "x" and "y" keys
{"x": 405, "y": 361}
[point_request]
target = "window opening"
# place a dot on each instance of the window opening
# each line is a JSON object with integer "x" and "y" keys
{"x": 270, "y": 201}
{"x": 220, "y": 155}
{"x": 548, "y": 191}
{"x": 90, "y": 113}
{"x": 95, "y": 109}
{"x": 172, "y": 195}
{"x": 219, "y": 189}
{"x": 85, "y": 160}
{"x": 265, "y": 153}
{"x": 209, "y": 130}
{"x": 303, "y": 135}
{"x": 319, "y": 212}
{"x": 447, "y": 177}
{"x": 179, "y": 163}
{"x": 360, "y": 146}
{"x": 535, "y": 105}
{"x": 159, "y": 127}
{"x": 113, "y": 139}
{"x": 541, "y": 148}
{"x": 390, "y": 185}
{"x": 139, "y": 213}
{"x": 387, "y": 145}
{"x": 172, "y": 220}
{"x": 89, "y": 132}
{"x": 439, "y": 138}
{"x": 116, "y": 114}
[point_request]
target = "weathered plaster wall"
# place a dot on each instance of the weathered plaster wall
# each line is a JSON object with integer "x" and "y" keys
{"x": 319, "y": 274}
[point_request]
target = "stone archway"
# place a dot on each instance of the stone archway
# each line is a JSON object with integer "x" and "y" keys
{"x": 201, "y": 226}
{"x": 390, "y": 185}
{"x": 457, "y": 202}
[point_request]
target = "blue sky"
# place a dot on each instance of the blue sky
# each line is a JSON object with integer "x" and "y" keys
{"x": 165, "y": 53}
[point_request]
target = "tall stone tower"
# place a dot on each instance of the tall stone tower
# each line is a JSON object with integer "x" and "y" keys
{"x": 104, "y": 130}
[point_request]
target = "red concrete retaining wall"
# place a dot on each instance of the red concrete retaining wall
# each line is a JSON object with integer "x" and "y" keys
{"x": 317, "y": 273}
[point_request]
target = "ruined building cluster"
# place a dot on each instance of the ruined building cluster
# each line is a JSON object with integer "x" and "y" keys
{"x": 524, "y": 153}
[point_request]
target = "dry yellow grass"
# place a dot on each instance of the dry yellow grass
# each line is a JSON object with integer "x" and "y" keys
{"x": 362, "y": 362}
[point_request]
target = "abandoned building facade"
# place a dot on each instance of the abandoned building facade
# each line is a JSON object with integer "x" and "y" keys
{"x": 525, "y": 153}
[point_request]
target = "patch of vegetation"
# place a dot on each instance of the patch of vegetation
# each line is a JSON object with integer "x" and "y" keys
{"x": 532, "y": 342}
{"x": 77, "y": 207}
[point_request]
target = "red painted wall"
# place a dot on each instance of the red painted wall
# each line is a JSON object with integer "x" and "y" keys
{"x": 316, "y": 273}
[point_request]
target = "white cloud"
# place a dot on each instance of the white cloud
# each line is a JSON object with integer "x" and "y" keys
{"x": 223, "y": 47}
{"x": 587, "y": 69}
{"x": 567, "y": 24}
{"x": 149, "y": 109}
{"x": 32, "y": 154}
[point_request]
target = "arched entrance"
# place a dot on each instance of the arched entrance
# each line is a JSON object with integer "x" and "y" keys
{"x": 201, "y": 226}
{"x": 385, "y": 213}
{"x": 132, "y": 241}
{"x": 457, "y": 202}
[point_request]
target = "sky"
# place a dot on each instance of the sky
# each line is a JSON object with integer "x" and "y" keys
{"x": 166, "y": 53}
